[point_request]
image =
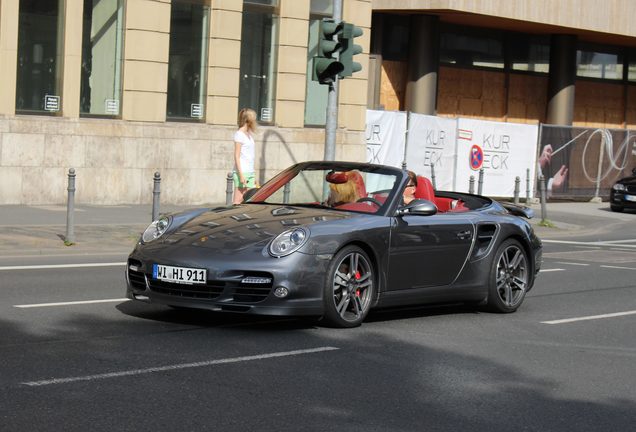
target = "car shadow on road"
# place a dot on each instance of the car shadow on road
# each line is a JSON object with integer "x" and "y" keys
{"x": 205, "y": 318}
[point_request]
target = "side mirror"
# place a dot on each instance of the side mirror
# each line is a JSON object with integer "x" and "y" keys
{"x": 419, "y": 207}
{"x": 634, "y": 171}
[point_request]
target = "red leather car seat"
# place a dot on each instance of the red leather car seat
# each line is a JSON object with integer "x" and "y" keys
{"x": 358, "y": 181}
{"x": 424, "y": 189}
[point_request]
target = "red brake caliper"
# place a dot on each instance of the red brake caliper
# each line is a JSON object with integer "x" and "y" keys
{"x": 357, "y": 277}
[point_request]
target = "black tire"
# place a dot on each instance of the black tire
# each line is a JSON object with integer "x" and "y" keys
{"x": 509, "y": 277}
{"x": 616, "y": 208}
{"x": 349, "y": 288}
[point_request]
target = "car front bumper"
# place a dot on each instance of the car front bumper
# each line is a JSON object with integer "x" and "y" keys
{"x": 623, "y": 199}
{"x": 301, "y": 275}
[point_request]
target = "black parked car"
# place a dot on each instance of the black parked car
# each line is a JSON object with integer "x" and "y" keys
{"x": 623, "y": 193}
{"x": 293, "y": 249}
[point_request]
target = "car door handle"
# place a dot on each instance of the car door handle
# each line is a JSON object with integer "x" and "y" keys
{"x": 463, "y": 235}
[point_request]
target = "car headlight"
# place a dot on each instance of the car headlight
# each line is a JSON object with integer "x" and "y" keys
{"x": 155, "y": 229}
{"x": 288, "y": 242}
{"x": 619, "y": 187}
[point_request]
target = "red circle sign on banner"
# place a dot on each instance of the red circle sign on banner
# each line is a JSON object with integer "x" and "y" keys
{"x": 476, "y": 157}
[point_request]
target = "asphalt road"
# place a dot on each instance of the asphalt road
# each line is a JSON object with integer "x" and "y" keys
{"x": 116, "y": 365}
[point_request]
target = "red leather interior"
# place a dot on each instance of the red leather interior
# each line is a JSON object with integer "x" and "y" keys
{"x": 357, "y": 179}
{"x": 366, "y": 207}
{"x": 345, "y": 176}
{"x": 425, "y": 191}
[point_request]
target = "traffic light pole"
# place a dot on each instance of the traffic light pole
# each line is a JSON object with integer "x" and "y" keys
{"x": 331, "y": 124}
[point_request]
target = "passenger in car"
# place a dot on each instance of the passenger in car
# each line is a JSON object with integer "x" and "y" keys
{"x": 343, "y": 193}
{"x": 409, "y": 191}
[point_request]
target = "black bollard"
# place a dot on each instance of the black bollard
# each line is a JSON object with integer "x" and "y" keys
{"x": 544, "y": 212}
{"x": 156, "y": 192}
{"x": 69, "y": 239}
{"x": 229, "y": 189}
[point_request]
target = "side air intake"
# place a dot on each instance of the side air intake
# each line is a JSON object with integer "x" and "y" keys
{"x": 485, "y": 234}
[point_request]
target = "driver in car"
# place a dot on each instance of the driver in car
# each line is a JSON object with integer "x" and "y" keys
{"x": 409, "y": 191}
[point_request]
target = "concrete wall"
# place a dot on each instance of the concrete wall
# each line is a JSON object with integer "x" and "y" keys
{"x": 115, "y": 161}
{"x": 606, "y": 16}
{"x": 115, "y": 158}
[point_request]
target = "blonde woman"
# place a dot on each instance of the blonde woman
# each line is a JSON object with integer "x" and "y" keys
{"x": 244, "y": 154}
{"x": 343, "y": 193}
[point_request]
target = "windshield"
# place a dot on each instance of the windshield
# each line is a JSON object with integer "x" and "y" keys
{"x": 361, "y": 189}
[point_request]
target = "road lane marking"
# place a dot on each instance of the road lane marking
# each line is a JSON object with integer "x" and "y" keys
{"x": 592, "y": 317}
{"x": 551, "y": 270}
{"x": 134, "y": 372}
{"x": 572, "y": 263}
{"x": 598, "y": 243}
{"x": 62, "y": 266}
{"x": 618, "y": 267}
{"x": 26, "y": 306}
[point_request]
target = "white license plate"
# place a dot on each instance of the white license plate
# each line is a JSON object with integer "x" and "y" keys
{"x": 178, "y": 274}
{"x": 631, "y": 198}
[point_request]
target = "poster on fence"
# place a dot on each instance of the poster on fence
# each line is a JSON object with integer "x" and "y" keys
{"x": 384, "y": 134}
{"x": 431, "y": 142}
{"x": 503, "y": 150}
{"x": 584, "y": 162}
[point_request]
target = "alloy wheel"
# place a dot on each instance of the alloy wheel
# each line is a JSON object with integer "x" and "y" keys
{"x": 352, "y": 286}
{"x": 512, "y": 276}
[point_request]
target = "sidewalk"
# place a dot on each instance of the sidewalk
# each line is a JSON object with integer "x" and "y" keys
{"x": 40, "y": 230}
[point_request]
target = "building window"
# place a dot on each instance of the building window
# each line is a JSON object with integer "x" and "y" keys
{"x": 38, "y": 74}
{"x": 471, "y": 49}
{"x": 258, "y": 58}
{"x": 395, "y": 33}
{"x": 529, "y": 53}
{"x": 317, "y": 94}
{"x": 631, "y": 67}
{"x": 188, "y": 60}
{"x": 602, "y": 65}
{"x": 100, "y": 92}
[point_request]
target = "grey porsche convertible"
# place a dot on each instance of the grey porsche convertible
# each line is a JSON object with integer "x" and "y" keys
{"x": 334, "y": 240}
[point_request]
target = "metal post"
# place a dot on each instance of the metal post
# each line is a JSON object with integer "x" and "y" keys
{"x": 406, "y": 139}
{"x": 544, "y": 212}
{"x": 604, "y": 140}
{"x": 229, "y": 189}
{"x": 433, "y": 176}
{"x": 471, "y": 185}
{"x": 286, "y": 191}
{"x": 332, "y": 101}
{"x": 156, "y": 191}
{"x": 69, "y": 239}
{"x": 527, "y": 186}
{"x": 517, "y": 182}
{"x": 480, "y": 182}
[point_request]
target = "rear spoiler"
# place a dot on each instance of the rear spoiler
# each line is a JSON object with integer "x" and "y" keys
{"x": 518, "y": 210}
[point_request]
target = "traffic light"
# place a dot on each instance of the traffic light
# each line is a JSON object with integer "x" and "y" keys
{"x": 326, "y": 65}
{"x": 348, "y": 49}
